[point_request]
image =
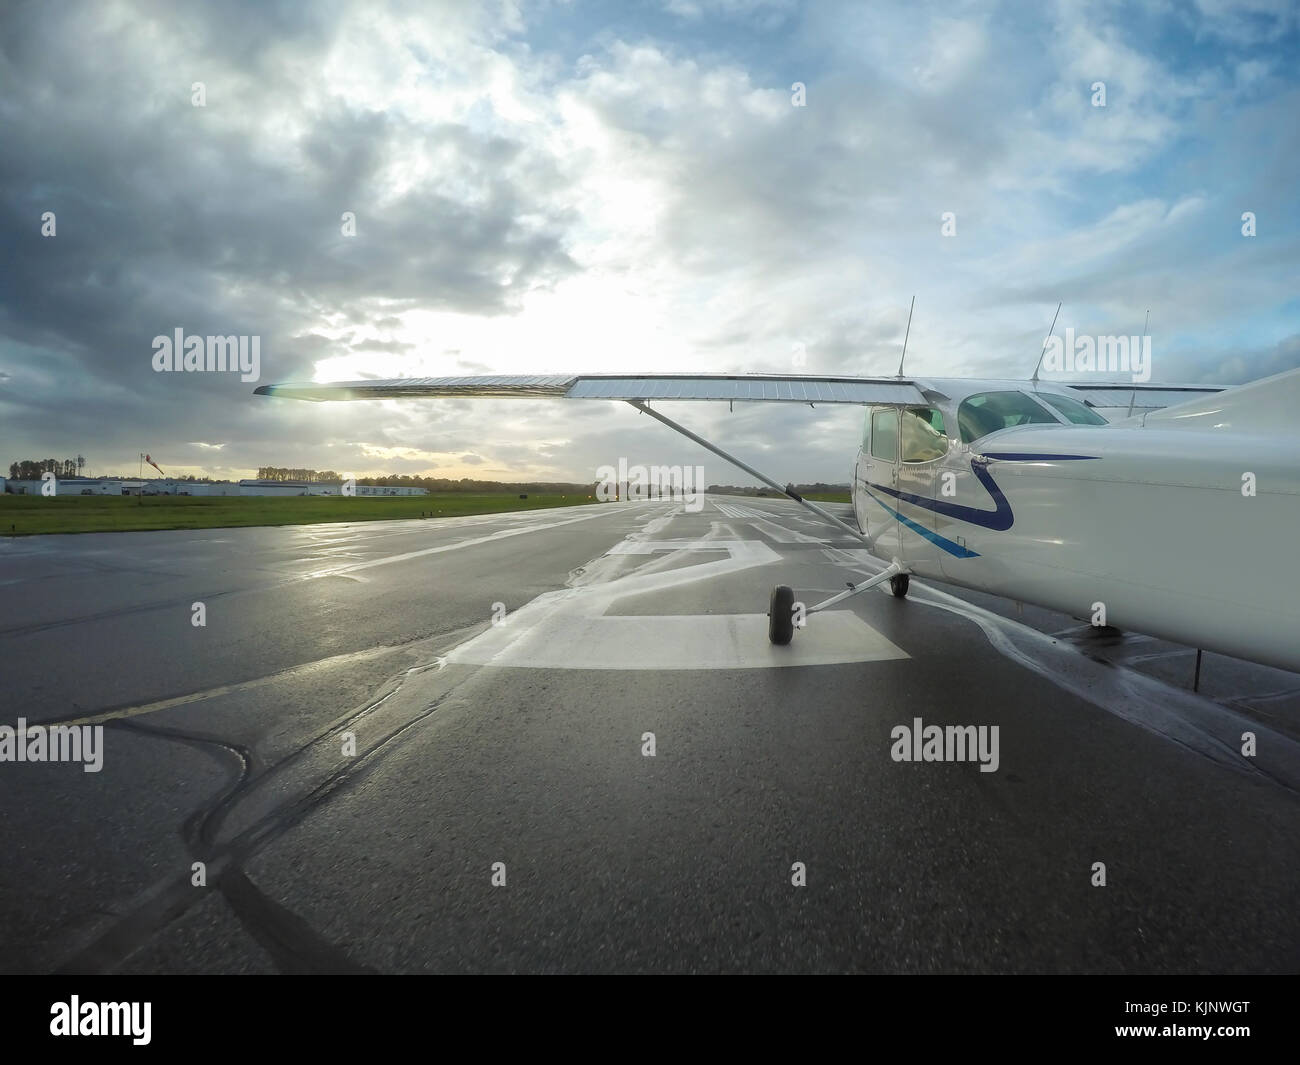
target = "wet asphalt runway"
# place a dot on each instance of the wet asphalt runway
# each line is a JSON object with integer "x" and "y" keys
{"x": 378, "y": 777}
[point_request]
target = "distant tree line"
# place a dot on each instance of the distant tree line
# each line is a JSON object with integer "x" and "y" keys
{"x": 466, "y": 484}
{"x": 284, "y": 473}
{"x": 433, "y": 484}
{"x": 31, "y": 469}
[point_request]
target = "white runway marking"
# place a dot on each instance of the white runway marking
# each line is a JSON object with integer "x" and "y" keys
{"x": 782, "y": 535}
{"x": 675, "y": 641}
{"x": 488, "y": 538}
{"x": 572, "y": 629}
{"x": 763, "y": 523}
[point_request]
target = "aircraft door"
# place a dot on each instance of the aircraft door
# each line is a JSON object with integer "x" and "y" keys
{"x": 922, "y": 448}
{"x": 877, "y": 479}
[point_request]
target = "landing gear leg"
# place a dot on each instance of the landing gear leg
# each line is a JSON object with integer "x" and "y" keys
{"x": 780, "y": 613}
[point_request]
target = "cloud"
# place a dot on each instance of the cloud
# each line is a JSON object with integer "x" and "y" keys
{"x": 535, "y": 191}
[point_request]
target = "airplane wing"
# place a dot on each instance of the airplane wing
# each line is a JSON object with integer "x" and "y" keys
{"x": 743, "y": 388}
{"x": 1138, "y": 398}
{"x": 637, "y": 389}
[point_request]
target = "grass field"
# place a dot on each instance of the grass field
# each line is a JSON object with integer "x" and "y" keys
{"x": 31, "y": 515}
{"x": 28, "y": 515}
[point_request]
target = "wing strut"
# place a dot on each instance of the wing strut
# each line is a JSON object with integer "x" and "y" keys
{"x": 789, "y": 492}
{"x": 894, "y": 569}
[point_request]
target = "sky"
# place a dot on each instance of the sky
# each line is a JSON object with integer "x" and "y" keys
{"x": 551, "y": 187}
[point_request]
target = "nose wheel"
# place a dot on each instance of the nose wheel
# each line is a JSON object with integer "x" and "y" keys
{"x": 898, "y": 585}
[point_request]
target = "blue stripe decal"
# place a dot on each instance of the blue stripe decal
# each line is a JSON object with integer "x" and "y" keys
{"x": 999, "y": 519}
{"x": 929, "y": 534}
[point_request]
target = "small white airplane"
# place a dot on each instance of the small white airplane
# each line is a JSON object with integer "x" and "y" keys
{"x": 1176, "y": 520}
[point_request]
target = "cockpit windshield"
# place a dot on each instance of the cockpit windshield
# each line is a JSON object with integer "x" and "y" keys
{"x": 987, "y": 412}
{"x": 1074, "y": 411}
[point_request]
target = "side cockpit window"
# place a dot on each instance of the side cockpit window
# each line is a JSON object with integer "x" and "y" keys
{"x": 988, "y": 412}
{"x": 921, "y": 434}
{"x": 884, "y": 435}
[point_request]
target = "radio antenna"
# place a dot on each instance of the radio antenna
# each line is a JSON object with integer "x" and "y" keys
{"x": 1034, "y": 379}
{"x": 1132, "y": 399}
{"x": 906, "y": 335}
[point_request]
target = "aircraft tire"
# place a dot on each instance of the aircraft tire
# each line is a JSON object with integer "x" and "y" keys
{"x": 780, "y": 615}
